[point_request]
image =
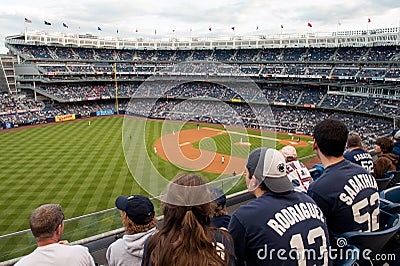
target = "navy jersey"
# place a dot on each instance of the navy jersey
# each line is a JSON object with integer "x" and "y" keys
{"x": 361, "y": 157}
{"x": 221, "y": 221}
{"x": 348, "y": 196}
{"x": 277, "y": 229}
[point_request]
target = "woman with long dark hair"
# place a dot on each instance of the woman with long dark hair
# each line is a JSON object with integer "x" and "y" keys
{"x": 186, "y": 237}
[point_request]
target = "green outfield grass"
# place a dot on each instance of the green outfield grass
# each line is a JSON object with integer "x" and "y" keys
{"x": 79, "y": 166}
{"x": 83, "y": 169}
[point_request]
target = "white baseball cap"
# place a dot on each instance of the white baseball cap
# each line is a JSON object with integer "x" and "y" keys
{"x": 289, "y": 151}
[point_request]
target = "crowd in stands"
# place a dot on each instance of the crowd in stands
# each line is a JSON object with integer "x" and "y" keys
{"x": 59, "y": 70}
{"x": 209, "y": 98}
{"x": 18, "y": 108}
{"x": 342, "y": 54}
{"x": 271, "y": 94}
{"x": 87, "y": 91}
{"x": 17, "y": 103}
{"x": 19, "y": 114}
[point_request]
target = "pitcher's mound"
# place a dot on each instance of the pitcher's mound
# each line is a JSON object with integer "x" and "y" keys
{"x": 243, "y": 143}
{"x": 302, "y": 143}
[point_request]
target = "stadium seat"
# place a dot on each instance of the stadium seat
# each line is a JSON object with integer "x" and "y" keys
{"x": 375, "y": 241}
{"x": 392, "y": 194}
{"x": 388, "y": 206}
{"x": 383, "y": 182}
{"x": 396, "y": 177}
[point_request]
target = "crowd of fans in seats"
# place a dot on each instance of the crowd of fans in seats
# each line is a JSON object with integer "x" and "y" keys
{"x": 272, "y": 94}
{"x": 18, "y": 108}
{"x": 292, "y": 120}
{"x": 287, "y": 70}
{"x": 343, "y": 54}
{"x": 283, "y": 118}
{"x": 85, "y": 91}
{"x": 17, "y": 103}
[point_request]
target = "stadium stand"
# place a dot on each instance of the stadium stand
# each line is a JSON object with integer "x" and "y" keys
{"x": 348, "y": 76}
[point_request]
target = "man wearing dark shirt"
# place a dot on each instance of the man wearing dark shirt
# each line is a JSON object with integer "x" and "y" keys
{"x": 281, "y": 226}
{"x": 346, "y": 193}
{"x": 357, "y": 154}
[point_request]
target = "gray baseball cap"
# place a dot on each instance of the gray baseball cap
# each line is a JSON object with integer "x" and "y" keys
{"x": 268, "y": 165}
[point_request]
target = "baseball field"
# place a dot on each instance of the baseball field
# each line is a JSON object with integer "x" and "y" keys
{"x": 82, "y": 166}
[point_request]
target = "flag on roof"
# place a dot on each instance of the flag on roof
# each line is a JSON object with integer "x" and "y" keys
{"x": 369, "y": 20}
{"x": 65, "y": 25}
{"x": 28, "y": 20}
{"x": 47, "y": 23}
{"x": 309, "y": 25}
{"x": 98, "y": 28}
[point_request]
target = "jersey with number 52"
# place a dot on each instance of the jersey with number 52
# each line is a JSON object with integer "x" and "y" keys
{"x": 361, "y": 157}
{"x": 348, "y": 196}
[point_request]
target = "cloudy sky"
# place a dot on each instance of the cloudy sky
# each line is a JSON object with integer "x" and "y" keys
{"x": 194, "y": 18}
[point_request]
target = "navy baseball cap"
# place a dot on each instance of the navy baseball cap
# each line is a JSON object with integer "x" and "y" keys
{"x": 218, "y": 195}
{"x": 269, "y": 166}
{"x": 138, "y": 208}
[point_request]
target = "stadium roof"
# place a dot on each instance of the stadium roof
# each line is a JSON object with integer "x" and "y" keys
{"x": 356, "y": 38}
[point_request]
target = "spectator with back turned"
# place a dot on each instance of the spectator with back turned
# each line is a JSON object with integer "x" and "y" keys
{"x": 357, "y": 154}
{"x": 47, "y": 226}
{"x": 387, "y": 160}
{"x": 279, "y": 219}
{"x": 137, "y": 214}
{"x": 296, "y": 170}
{"x": 345, "y": 192}
{"x": 187, "y": 237}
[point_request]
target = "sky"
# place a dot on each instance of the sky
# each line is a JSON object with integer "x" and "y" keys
{"x": 188, "y": 18}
